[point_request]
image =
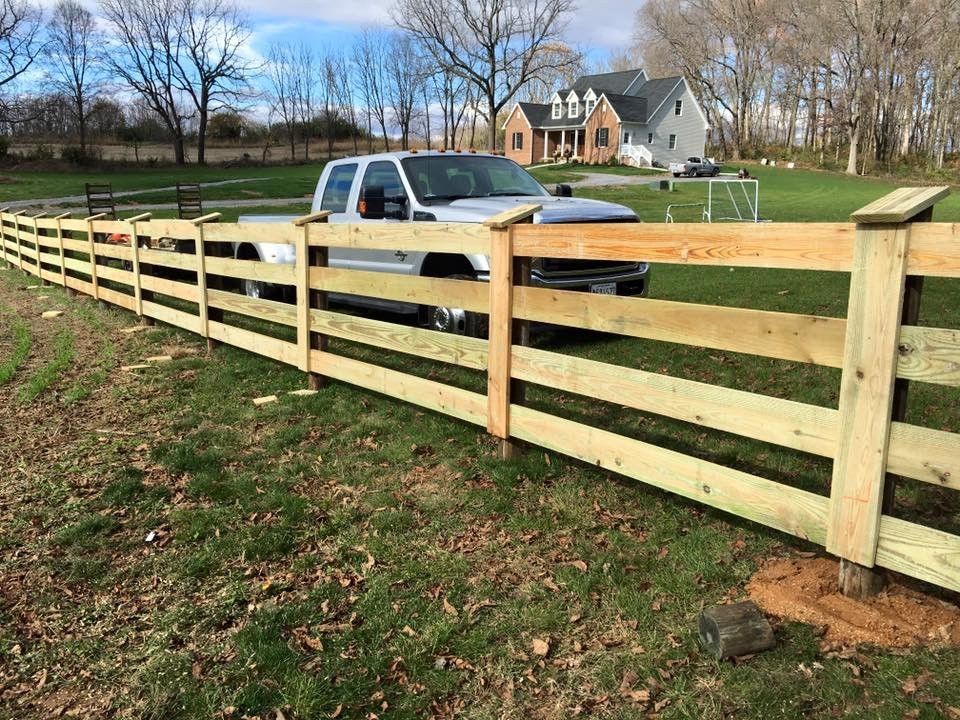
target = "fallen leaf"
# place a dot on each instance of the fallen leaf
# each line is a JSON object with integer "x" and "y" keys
{"x": 540, "y": 647}
{"x": 337, "y": 711}
{"x": 664, "y": 551}
{"x": 579, "y": 565}
{"x": 450, "y": 609}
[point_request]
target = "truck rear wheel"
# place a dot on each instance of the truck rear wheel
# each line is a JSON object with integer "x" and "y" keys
{"x": 457, "y": 321}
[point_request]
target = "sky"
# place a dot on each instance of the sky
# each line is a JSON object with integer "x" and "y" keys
{"x": 334, "y": 23}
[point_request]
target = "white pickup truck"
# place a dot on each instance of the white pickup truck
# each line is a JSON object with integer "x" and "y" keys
{"x": 436, "y": 186}
{"x": 695, "y": 166}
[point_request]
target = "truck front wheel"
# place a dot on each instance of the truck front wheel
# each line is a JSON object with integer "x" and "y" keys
{"x": 457, "y": 320}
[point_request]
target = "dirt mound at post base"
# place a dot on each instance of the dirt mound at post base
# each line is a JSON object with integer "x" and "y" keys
{"x": 805, "y": 589}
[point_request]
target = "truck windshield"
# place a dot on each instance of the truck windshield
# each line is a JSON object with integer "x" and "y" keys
{"x": 446, "y": 178}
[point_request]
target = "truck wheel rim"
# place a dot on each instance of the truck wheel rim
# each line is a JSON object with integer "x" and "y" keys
{"x": 253, "y": 289}
{"x": 449, "y": 320}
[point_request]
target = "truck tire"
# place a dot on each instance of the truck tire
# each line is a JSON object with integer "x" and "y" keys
{"x": 716, "y": 171}
{"x": 676, "y": 174}
{"x": 457, "y": 321}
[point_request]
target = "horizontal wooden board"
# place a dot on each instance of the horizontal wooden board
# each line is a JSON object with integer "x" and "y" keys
{"x": 118, "y": 252}
{"x": 269, "y": 310}
{"x": 795, "y": 246}
{"x": 172, "y": 316}
{"x": 74, "y": 225}
{"x": 920, "y": 552}
{"x": 785, "y": 336}
{"x": 930, "y": 355}
{"x": 53, "y": 277}
{"x": 105, "y": 272}
{"x": 165, "y": 258}
{"x": 49, "y": 241}
{"x": 74, "y": 245}
{"x": 277, "y": 273}
{"x": 127, "y": 302}
{"x": 178, "y": 229}
{"x": 110, "y": 227}
{"x": 931, "y": 456}
{"x": 281, "y": 350}
{"x": 900, "y": 205}
{"x": 782, "y": 507}
{"x": 81, "y": 266}
{"x": 466, "y": 294}
{"x": 46, "y": 223}
{"x": 462, "y": 404}
{"x": 281, "y": 233}
{"x": 175, "y": 289}
{"x": 795, "y": 425}
{"x": 459, "y": 238}
{"x": 455, "y": 349}
{"x": 27, "y": 252}
{"x": 80, "y": 285}
{"x": 934, "y": 250}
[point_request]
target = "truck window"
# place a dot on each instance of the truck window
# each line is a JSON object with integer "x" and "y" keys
{"x": 337, "y": 190}
{"x": 385, "y": 173}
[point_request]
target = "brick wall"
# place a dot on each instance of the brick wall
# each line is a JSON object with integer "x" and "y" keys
{"x": 518, "y": 124}
{"x": 602, "y": 117}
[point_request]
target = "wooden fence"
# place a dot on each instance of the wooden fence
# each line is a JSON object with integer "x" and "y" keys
{"x": 878, "y": 347}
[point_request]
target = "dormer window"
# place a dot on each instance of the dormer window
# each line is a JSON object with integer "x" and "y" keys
{"x": 573, "y": 108}
{"x": 590, "y": 105}
{"x": 557, "y": 110}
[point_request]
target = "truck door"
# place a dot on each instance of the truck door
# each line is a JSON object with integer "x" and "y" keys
{"x": 385, "y": 174}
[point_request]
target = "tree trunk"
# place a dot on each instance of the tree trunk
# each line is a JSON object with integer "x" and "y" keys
{"x": 492, "y": 124}
{"x": 202, "y": 137}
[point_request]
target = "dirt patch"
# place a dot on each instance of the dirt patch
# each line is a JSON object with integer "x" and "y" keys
{"x": 805, "y": 589}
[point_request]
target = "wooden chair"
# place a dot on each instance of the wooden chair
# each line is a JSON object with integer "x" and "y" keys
{"x": 189, "y": 202}
{"x": 100, "y": 200}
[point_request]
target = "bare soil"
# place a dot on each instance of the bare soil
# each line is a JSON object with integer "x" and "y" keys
{"x": 805, "y": 589}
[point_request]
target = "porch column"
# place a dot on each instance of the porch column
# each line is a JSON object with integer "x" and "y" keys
{"x": 576, "y": 145}
{"x": 563, "y": 141}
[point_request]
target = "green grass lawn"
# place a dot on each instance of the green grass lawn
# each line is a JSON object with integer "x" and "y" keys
{"x": 346, "y": 555}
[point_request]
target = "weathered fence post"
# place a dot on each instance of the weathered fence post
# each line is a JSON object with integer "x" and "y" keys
{"x": 876, "y": 306}
{"x": 200, "y": 250}
{"x": 3, "y": 237}
{"x": 307, "y": 299}
{"x": 63, "y": 261}
{"x": 135, "y": 257}
{"x": 93, "y": 255}
{"x": 502, "y": 332}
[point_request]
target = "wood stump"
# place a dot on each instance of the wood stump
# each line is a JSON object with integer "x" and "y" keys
{"x": 859, "y": 582}
{"x": 734, "y": 630}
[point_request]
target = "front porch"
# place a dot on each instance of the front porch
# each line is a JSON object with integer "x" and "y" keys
{"x": 565, "y": 144}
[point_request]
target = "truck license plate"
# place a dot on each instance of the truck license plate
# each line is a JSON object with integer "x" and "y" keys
{"x": 604, "y": 288}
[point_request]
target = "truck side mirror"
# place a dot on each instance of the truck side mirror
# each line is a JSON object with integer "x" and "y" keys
{"x": 372, "y": 202}
{"x": 563, "y": 190}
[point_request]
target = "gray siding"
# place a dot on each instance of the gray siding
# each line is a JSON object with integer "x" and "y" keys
{"x": 689, "y": 128}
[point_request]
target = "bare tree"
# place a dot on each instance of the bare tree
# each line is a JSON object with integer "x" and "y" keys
{"x": 20, "y": 44}
{"x": 73, "y": 59}
{"x": 305, "y": 78}
{"x": 211, "y": 69}
{"x": 143, "y": 47}
{"x": 405, "y": 84}
{"x": 182, "y": 56}
{"x": 369, "y": 55}
{"x": 498, "y": 45}
{"x": 281, "y": 77}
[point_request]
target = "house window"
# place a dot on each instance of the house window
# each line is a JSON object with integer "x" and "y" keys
{"x": 590, "y": 105}
{"x": 557, "y": 110}
{"x": 626, "y": 138}
{"x": 601, "y": 137}
{"x": 673, "y": 142}
{"x": 574, "y": 108}
{"x": 678, "y": 107}
{"x": 649, "y": 138}
{"x": 517, "y": 141}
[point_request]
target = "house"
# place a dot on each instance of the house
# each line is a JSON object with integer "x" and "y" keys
{"x": 619, "y": 114}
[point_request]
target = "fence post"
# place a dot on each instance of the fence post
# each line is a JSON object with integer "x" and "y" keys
{"x": 36, "y": 245}
{"x": 875, "y": 309}
{"x": 3, "y": 237}
{"x": 308, "y": 299}
{"x": 502, "y": 331}
{"x": 135, "y": 255}
{"x": 16, "y": 229}
{"x": 95, "y": 288}
{"x": 63, "y": 262}
{"x": 200, "y": 250}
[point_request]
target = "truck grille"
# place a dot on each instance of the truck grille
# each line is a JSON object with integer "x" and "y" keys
{"x": 554, "y": 265}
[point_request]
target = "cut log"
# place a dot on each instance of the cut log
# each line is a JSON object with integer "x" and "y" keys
{"x": 735, "y": 630}
{"x": 859, "y": 582}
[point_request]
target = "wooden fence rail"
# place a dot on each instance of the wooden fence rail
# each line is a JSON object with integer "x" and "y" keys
{"x": 877, "y": 347}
